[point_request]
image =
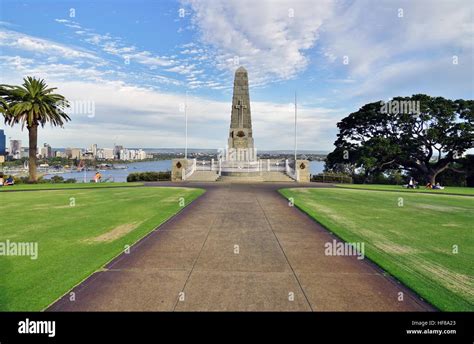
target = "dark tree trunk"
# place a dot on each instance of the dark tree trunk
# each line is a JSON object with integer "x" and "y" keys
{"x": 33, "y": 148}
{"x": 366, "y": 177}
{"x": 432, "y": 178}
{"x": 433, "y": 173}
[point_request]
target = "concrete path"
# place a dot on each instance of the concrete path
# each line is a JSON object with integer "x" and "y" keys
{"x": 240, "y": 247}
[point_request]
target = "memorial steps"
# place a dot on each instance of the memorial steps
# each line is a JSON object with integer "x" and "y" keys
{"x": 203, "y": 176}
{"x": 212, "y": 176}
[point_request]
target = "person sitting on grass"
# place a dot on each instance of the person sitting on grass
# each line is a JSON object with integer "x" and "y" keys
{"x": 438, "y": 187}
{"x": 97, "y": 177}
{"x": 429, "y": 186}
{"x": 9, "y": 181}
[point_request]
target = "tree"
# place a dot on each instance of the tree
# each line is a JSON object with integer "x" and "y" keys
{"x": 32, "y": 104}
{"x": 421, "y": 134}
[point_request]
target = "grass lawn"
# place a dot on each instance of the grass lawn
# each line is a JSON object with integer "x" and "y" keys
{"x": 413, "y": 242}
{"x": 65, "y": 186}
{"x": 74, "y": 241}
{"x": 447, "y": 190}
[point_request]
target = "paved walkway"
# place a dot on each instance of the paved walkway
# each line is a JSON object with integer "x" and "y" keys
{"x": 239, "y": 247}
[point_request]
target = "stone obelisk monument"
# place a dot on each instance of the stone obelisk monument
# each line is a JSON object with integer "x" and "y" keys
{"x": 239, "y": 160}
{"x": 240, "y": 133}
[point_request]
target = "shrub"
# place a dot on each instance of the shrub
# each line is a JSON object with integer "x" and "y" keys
{"x": 20, "y": 180}
{"x": 149, "y": 176}
{"x": 332, "y": 178}
{"x": 57, "y": 179}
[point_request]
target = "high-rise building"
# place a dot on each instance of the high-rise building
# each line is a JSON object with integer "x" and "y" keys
{"x": 15, "y": 149}
{"x": 94, "y": 150}
{"x": 3, "y": 142}
{"x": 46, "y": 151}
{"x": 59, "y": 154}
{"x": 73, "y": 153}
{"x": 142, "y": 155}
{"x": 117, "y": 150}
{"x": 105, "y": 153}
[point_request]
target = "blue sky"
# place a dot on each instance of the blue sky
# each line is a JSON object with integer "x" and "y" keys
{"x": 134, "y": 61}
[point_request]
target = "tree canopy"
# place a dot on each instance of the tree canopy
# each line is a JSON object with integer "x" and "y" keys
{"x": 421, "y": 134}
{"x": 32, "y": 104}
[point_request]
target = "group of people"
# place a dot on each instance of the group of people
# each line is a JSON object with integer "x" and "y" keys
{"x": 413, "y": 184}
{"x": 11, "y": 181}
{"x": 437, "y": 186}
{"x": 6, "y": 182}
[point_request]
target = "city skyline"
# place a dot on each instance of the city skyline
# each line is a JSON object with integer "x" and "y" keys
{"x": 17, "y": 151}
{"x": 130, "y": 71}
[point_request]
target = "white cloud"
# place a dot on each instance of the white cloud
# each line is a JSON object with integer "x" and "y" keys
{"x": 17, "y": 63}
{"x": 373, "y": 35}
{"x": 192, "y": 51}
{"x": 17, "y": 67}
{"x": 267, "y": 40}
{"x": 115, "y": 46}
{"x": 148, "y": 59}
{"x": 37, "y": 45}
{"x": 417, "y": 76}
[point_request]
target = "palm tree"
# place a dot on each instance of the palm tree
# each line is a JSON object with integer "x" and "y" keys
{"x": 32, "y": 104}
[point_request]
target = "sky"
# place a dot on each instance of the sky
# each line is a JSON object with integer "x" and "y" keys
{"x": 129, "y": 66}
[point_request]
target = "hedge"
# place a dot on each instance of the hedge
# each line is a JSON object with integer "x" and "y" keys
{"x": 149, "y": 176}
{"x": 331, "y": 178}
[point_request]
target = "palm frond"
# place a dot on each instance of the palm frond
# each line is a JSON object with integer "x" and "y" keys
{"x": 33, "y": 103}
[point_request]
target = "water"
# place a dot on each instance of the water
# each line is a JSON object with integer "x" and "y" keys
{"x": 145, "y": 166}
{"x": 316, "y": 167}
{"x": 119, "y": 175}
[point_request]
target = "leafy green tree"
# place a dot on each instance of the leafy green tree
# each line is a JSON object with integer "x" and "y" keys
{"x": 32, "y": 104}
{"x": 424, "y": 138}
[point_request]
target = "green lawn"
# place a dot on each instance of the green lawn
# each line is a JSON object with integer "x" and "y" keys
{"x": 74, "y": 241}
{"x": 447, "y": 190}
{"x": 413, "y": 242}
{"x": 65, "y": 186}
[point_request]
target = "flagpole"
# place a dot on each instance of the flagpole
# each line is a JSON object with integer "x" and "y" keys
{"x": 296, "y": 118}
{"x": 186, "y": 126}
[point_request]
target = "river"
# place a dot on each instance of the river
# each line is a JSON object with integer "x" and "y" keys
{"x": 120, "y": 175}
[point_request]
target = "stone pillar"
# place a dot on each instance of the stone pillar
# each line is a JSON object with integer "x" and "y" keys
{"x": 178, "y": 167}
{"x": 240, "y": 131}
{"x": 302, "y": 171}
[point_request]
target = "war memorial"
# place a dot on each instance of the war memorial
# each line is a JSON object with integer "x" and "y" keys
{"x": 238, "y": 162}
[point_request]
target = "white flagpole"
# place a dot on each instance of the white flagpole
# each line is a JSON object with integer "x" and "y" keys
{"x": 296, "y": 117}
{"x": 186, "y": 126}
